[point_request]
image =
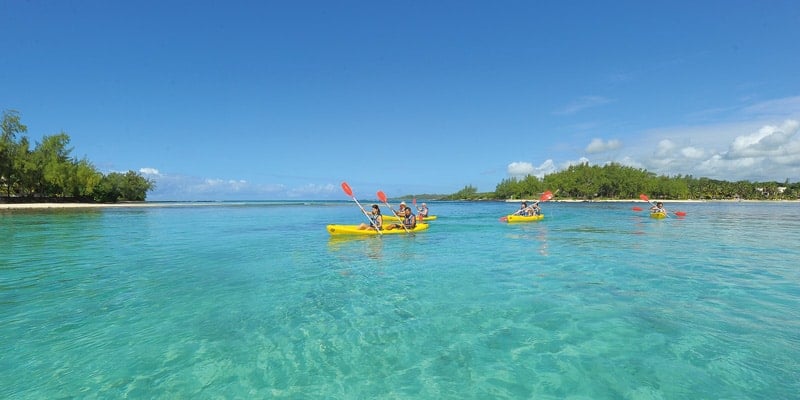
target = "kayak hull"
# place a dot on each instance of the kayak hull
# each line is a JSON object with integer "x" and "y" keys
{"x": 658, "y": 215}
{"x": 337, "y": 230}
{"x": 392, "y": 218}
{"x": 521, "y": 218}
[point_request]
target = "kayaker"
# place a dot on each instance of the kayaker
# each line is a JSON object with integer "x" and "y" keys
{"x": 422, "y": 211}
{"x": 658, "y": 208}
{"x": 409, "y": 220}
{"x": 523, "y": 209}
{"x": 376, "y": 218}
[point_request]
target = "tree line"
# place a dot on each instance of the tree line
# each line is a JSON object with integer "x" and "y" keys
{"x": 616, "y": 181}
{"x": 48, "y": 171}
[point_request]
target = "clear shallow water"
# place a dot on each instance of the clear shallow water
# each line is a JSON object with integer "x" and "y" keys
{"x": 257, "y": 301}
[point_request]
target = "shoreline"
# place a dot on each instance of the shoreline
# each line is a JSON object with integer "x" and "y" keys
{"x": 653, "y": 200}
{"x": 144, "y": 204}
{"x": 43, "y": 206}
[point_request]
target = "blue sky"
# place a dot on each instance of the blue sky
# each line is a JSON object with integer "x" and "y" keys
{"x": 285, "y": 100}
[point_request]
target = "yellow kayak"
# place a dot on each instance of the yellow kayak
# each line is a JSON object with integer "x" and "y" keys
{"x": 353, "y": 230}
{"x": 392, "y": 218}
{"x": 522, "y": 218}
{"x": 658, "y": 215}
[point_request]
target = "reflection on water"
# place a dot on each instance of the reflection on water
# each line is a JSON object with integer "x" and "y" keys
{"x": 357, "y": 246}
{"x": 535, "y": 232}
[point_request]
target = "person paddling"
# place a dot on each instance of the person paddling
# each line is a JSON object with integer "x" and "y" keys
{"x": 523, "y": 209}
{"x": 409, "y": 220}
{"x": 535, "y": 209}
{"x": 658, "y": 208}
{"x": 375, "y": 217}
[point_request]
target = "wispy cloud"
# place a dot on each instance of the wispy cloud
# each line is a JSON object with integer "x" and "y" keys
{"x": 182, "y": 187}
{"x": 582, "y": 103}
{"x": 784, "y": 107}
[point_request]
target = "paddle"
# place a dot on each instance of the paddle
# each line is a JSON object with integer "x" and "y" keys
{"x": 647, "y": 199}
{"x": 544, "y": 197}
{"x": 636, "y": 208}
{"x": 349, "y": 192}
{"x": 414, "y": 202}
{"x": 382, "y": 197}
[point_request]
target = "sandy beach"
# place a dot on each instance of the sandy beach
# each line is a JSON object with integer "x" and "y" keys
{"x": 38, "y": 206}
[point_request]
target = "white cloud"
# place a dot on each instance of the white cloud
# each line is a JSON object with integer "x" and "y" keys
{"x": 766, "y": 152}
{"x": 630, "y": 162}
{"x": 149, "y": 171}
{"x": 545, "y": 168}
{"x": 769, "y": 152}
{"x": 599, "y": 146}
{"x": 665, "y": 148}
{"x": 717, "y": 166}
{"x": 521, "y": 169}
{"x": 692, "y": 152}
{"x": 770, "y": 140}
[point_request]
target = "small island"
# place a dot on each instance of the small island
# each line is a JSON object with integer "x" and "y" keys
{"x": 616, "y": 182}
{"x": 48, "y": 173}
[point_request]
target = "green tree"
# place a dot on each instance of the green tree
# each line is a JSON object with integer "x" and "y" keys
{"x": 528, "y": 187}
{"x": 136, "y": 187}
{"x": 26, "y": 169}
{"x": 469, "y": 192}
{"x": 53, "y": 157}
{"x": 10, "y": 127}
{"x": 87, "y": 178}
{"x": 115, "y": 187}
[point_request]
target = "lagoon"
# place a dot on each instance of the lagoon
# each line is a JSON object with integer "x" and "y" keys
{"x": 256, "y": 300}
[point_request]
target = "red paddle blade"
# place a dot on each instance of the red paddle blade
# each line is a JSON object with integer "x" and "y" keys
{"x": 644, "y": 197}
{"x": 347, "y": 189}
{"x": 504, "y": 219}
{"x": 382, "y": 196}
{"x": 636, "y": 208}
{"x": 680, "y": 213}
{"x": 546, "y": 196}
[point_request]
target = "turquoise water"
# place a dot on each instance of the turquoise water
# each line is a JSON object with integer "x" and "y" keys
{"x": 256, "y": 300}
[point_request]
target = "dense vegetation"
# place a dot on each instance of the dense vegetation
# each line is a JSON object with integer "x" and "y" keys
{"x": 615, "y": 181}
{"x": 49, "y": 173}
